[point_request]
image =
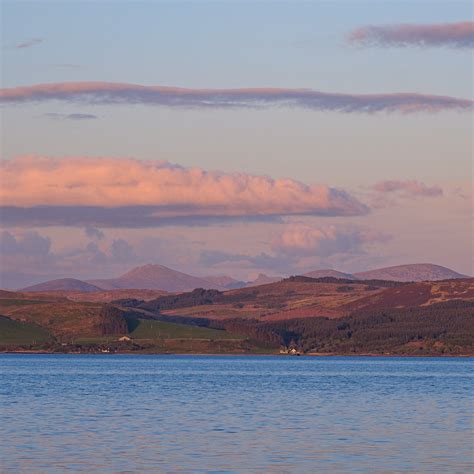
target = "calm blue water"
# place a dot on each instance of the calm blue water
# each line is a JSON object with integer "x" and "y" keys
{"x": 235, "y": 414}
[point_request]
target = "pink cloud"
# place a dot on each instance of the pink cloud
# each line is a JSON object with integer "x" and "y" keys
{"x": 116, "y": 93}
{"x": 43, "y": 186}
{"x": 455, "y": 35}
{"x": 304, "y": 240}
{"x": 408, "y": 188}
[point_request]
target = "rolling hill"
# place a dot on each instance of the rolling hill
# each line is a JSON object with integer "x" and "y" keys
{"x": 412, "y": 272}
{"x": 324, "y": 315}
{"x": 336, "y": 316}
{"x": 304, "y": 297}
{"x": 21, "y": 333}
{"x": 47, "y": 323}
{"x": 62, "y": 318}
{"x": 64, "y": 284}
{"x": 102, "y": 296}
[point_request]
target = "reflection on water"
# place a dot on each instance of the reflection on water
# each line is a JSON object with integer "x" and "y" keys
{"x": 235, "y": 414}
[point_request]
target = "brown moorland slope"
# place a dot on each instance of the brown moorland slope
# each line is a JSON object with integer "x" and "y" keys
{"x": 417, "y": 294}
{"x": 303, "y": 297}
{"x": 63, "y": 318}
{"x": 294, "y": 297}
{"x": 103, "y": 296}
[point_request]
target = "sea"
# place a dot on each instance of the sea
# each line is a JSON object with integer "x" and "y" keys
{"x": 226, "y": 414}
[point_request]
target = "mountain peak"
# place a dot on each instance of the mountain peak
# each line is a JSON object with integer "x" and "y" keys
{"x": 155, "y": 277}
{"x": 147, "y": 268}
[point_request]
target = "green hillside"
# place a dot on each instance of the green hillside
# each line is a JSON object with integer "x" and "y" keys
{"x": 152, "y": 329}
{"x": 20, "y": 333}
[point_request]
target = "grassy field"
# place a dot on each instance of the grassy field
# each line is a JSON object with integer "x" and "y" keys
{"x": 151, "y": 329}
{"x": 17, "y": 332}
{"x": 146, "y": 330}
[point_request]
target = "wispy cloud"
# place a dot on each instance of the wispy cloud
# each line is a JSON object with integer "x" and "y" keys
{"x": 113, "y": 192}
{"x": 29, "y": 43}
{"x": 408, "y": 188}
{"x": 454, "y": 35}
{"x": 75, "y": 116}
{"x": 304, "y": 240}
{"x": 116, "y": 93}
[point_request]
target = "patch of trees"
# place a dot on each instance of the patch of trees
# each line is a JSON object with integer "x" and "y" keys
{"x": 197, "y": 297}
{"x": 443, "y": 328}
{"x": 128, "y": 302}
{"x": 120, "y": 320}
{"x": 112, "y": 321}
{"x": 374, "y": 283}
{"x": 439, "y": 328}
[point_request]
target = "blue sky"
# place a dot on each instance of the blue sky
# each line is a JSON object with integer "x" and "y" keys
{"x": 221, "y": 45}
{"x": 252, "y": 44}
{"x": 224, "y": 44}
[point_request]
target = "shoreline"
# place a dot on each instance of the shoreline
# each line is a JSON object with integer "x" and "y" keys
{"x": 229, "y": 354}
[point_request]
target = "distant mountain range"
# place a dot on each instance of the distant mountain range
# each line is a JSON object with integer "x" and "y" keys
{"x": 159, "y": 277}
{"x": 410, "y": 272}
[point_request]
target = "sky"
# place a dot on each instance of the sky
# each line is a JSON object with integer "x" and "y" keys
{"x": 234, "y": 137}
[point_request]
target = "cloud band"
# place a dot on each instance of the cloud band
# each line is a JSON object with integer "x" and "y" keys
{"x": 408, "y": 188}
{"x": 114, "y": 93}
{"x": 454, "y": 35}
{"x": 128, "y": 192}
